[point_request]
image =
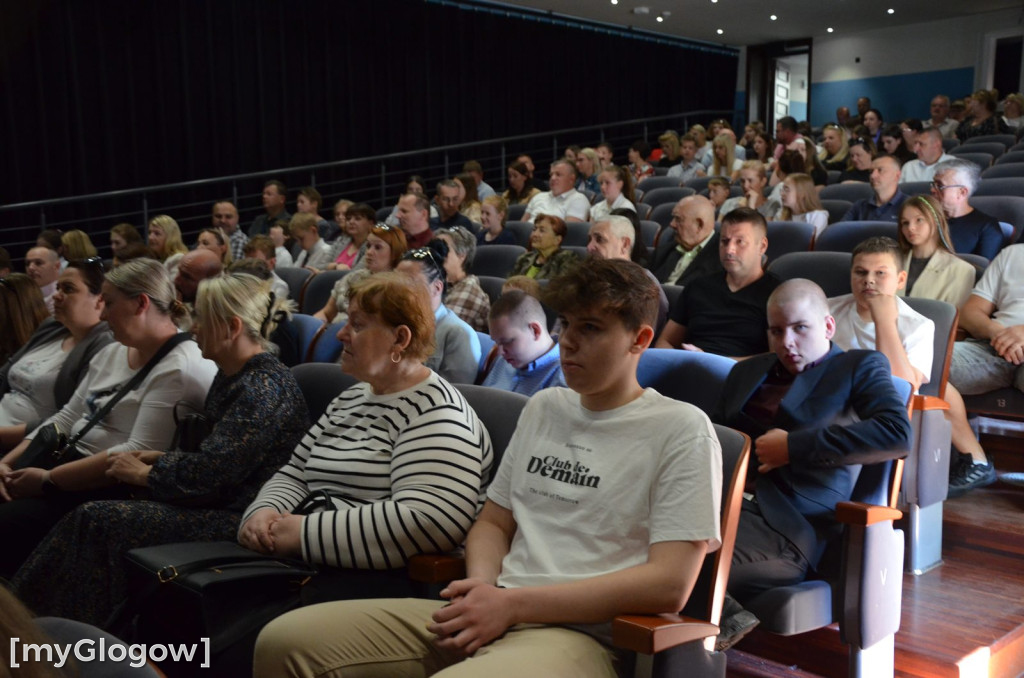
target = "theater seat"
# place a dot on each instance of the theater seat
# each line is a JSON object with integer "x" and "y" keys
{"x": 788, "y": 236}
{"x": 1007, "y": 209}
{"x": 830, "y": 270}
{"x": 661, "y": 196}
{"x": 320, "y": 384}
{"x": 496, "y": 260}
{"x": 650, "y": 183}
{"x": 862, "y": 592}
{"x": 850, "y": 192}
{"x": 836, "y": 209}
{"x": 296, "y": 279}
{"x": 318, "y": 290}
{"x": 515, "y": 212}
{"x": 676, "y": 373}
{"x": 522, "y": 231}
{"x": 846, "y": 235}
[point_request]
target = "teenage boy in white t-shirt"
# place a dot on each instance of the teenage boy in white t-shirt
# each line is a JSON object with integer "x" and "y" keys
{"x": 606, "y": 502}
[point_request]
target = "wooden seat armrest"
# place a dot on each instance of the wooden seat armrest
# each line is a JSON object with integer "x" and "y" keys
{"x": 923, "y": 403}
{"x": 437, "y": 568}
{"x": 649, "y": 634}
{"x": 859, "y": 513}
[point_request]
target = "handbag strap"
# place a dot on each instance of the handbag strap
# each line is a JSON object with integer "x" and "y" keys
{"x": 137, "y": 378}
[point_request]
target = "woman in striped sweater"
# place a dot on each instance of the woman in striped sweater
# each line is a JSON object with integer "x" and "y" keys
{"x": 403, "y": 457}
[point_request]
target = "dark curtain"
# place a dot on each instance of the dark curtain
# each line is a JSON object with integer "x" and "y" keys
{"x": 112, "y": 94}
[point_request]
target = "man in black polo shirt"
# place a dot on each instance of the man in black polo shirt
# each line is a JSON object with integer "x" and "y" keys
{"x": 724, "y": 313}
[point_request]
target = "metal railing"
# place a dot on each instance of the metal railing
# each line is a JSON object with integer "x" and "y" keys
{"x": 374, "y": 179}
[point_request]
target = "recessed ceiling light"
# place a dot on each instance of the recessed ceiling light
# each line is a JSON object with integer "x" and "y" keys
{"x": 773, "y": 17}
{"x": 615, "y": 2}
{"x": 660, "y": 19}
{"x": 714, "y": 2}
{"x": 892, "y": 11}
{"x": 829, "y": 29}
{"x": 719, "y": 31}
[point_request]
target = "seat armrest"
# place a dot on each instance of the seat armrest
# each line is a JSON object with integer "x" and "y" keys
{"x": 923, "y": 403}
{"x": 961, "y": 334}
{"x": 859, "y": 513}
{"x": 650, "y": 634}
{"x": 437, "y": 568}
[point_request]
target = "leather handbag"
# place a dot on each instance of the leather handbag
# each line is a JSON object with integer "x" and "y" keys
{"x": 190, "y": 430}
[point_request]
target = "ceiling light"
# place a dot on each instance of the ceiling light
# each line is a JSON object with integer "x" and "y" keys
{"x": 615, "y": 2}
{"x": 773, "y": 17}
{"x": 829, "y": 29}
{"x": 719, "y": 31}
{"x": 714, "y": 2}
{"x": 660, "y": 19}
{"x": 892, "y": 11}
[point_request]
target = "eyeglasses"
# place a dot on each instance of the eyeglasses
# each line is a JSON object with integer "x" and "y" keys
{"x": 936, "y": 186}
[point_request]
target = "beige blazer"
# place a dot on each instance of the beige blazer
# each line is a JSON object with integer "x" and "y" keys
{"x": 946, "y": 278}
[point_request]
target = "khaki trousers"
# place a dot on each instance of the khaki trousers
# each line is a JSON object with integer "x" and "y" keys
{"x": 389, "y": 639}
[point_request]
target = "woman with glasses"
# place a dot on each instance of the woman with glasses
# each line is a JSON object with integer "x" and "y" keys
{"x": 143, "y": 313}
{"x": 385, "y": 246}
{"x": 40, "y": 379}
{"x": 546, "y": 259}
{"x": 465, "y": 296}
{"x": 835, "y": 151}
{"x": 22, "y": 310}
{"x": 78, "y": 570}
{"x": 862, "y": 153}
{"x": 456, "y": 355}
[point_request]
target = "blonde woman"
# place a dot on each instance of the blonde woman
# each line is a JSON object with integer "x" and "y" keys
{"x": 933, "y": 269}
{"x": 724, "y": 162}
{"x": 77, "y": 245}
{"x": 800, "y": 202}
{"x": 835, "y": 151}
{"x": 213, "y": 239}
{"x": 257, "y": 417}
{"x": 164, "y": 238}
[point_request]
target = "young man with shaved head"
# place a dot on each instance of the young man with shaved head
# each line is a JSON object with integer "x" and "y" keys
{"x": 796, "y": 404}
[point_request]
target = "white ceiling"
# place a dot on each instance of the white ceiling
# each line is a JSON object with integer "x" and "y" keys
{"x": 748, "y": 22}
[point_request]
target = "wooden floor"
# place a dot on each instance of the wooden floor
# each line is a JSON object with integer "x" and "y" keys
{"x": 964, "y": 618}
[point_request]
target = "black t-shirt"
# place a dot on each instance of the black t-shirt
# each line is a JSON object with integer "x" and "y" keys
{"x": 721, "y": 321}
{"x": 855, "y": 175}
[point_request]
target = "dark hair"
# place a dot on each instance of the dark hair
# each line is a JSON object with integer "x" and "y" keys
{"x": 521, "y": 168}
{"x": 431, "y": 258}
{"x": 312, "y": 195}
{"x": 879, "y": 244}
{"x": 414, "y": 179}
{"x": 361, "y": 209}
{"x": 21, "y": 311}
{"x": 279, "y": 185}
{"x": 902, "y": 153}
{"x": 93, "y": 272}
{"x": 746, "y": 215}
{"x": 469, "y": 183}
{"x": 52, "y": 238}
{"x": 638, "y": 253}
{"x": 135, "y": 250}
{"x": 881, "y": 120}
{"x": 472, "y": 166}
{"x": 5, "y": 258}
{"x": 129, "y": 233}
{"x": 641, "y": 147}
{"x": 915, "y": 124}
{"x": 769, "y": 144}
{"x": 605, "y": 144}
{"x": 788, "y": 123}
{"x": 613, "y": 286}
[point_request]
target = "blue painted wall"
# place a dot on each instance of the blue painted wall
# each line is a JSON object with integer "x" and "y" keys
{"x": 908, "y": 95}
{"x": 798, "y": 109}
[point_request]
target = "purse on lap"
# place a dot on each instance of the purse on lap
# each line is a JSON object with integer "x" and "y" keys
{"x": 50, "y": 448}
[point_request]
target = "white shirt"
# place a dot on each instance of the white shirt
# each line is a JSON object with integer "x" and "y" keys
{"x": 1003, "y": 285}
{"x": 916, "y": 170}
{"x": 572, "y": 203}
{"x": 317, "y": 256}
{"x": 283, "y": 257}
{"x": 31, "y": 379}
{"x": 916, "y": 331}
{"x": 142, "y": 419}
{"x": 603, "y": 209}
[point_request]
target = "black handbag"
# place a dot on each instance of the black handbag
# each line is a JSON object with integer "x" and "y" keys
{"x": 50, "y": 448}
{"x": 189, "y": 430}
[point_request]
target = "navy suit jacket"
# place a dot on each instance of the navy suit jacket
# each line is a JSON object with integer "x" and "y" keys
{"x": 840, "y": 414}
{"x": 667, "y": 256}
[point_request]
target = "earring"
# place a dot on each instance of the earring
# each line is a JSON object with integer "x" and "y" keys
{"x": 394, "y": 359}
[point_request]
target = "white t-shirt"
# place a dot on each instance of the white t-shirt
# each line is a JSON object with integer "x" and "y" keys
{"x": 32, "y": 378}
{"x": 572, "y": 203}
{"x": 142, "y": 420}
{"x": 283, "y": 258}
{"x": 916, "y": 170}
{"x": 592, "y": 491}
{"x": 916, "y": 331}
{"x": 1003, "y": 285}
{"x": 816, "y": 218}
{"x": 602, "y": 209}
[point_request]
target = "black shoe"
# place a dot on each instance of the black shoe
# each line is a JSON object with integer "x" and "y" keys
{"x": 966, "y": 475}
{"x": 736, "y": 623}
